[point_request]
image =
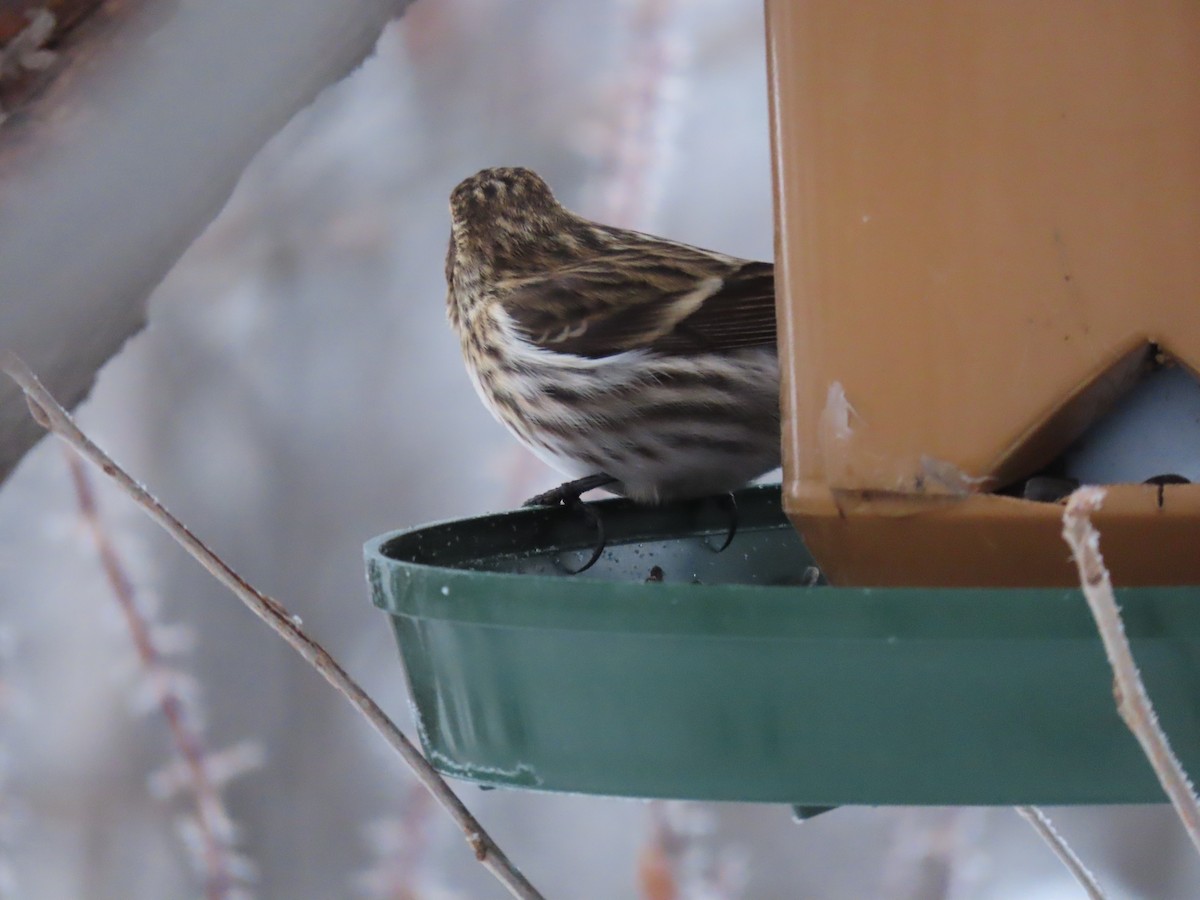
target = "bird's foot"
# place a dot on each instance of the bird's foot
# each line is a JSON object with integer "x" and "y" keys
{"x": 569, "y": 492}
{"x": 568, "y": 495}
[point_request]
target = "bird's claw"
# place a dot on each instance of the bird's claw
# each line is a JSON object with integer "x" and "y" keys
{"x": 568, "y": 495}
{"x": 601, "y": 537}
{"x": 730, "y": 501}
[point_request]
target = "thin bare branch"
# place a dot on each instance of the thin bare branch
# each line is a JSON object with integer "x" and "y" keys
{"x": 47, "y": 411}
{"x": 1042, "y": 825}
{"x": 1133, "y": 703}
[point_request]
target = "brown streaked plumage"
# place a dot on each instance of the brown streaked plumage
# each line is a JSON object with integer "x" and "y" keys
{"x": 608, "y": 351}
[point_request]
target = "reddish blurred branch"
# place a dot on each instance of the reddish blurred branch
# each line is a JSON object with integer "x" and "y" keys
{"x": 679, "y": 859}
{"x": 637, "y": 143}
{"x": 225, "y": 872}
{"x": 403, "y": 870}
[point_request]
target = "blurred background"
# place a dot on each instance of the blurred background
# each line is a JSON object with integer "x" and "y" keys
{"x": 297, "y": 392}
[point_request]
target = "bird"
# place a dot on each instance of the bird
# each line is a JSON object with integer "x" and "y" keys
{"x": 623, "y": 360}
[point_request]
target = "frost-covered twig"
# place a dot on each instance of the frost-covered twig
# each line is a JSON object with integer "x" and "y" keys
{"x": 50, "y": 414}
{"x": 1132, "y": 701}
{"x": 1042, "y": 825}
{"x": 225, "y": 872}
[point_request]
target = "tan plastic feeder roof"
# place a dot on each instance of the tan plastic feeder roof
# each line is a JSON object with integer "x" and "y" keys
{"x": 989, "y": 218}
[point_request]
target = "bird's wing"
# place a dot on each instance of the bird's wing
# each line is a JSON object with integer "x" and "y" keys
{"x": 678, "y": 301}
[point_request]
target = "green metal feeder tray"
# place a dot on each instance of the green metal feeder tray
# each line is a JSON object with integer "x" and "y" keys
{"x": 731, "y": 680}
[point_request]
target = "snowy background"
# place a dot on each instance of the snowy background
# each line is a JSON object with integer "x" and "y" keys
{"x": 297, "y": 392}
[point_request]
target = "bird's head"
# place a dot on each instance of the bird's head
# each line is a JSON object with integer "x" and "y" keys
{"x": 504, "y": 221}
{"x": 507, "y": 198}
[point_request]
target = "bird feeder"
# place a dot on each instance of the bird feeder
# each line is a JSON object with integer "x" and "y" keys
{"x": 988, "y": 221}
{"x": 989, "y": 217}
{"x": 671, "y": 670}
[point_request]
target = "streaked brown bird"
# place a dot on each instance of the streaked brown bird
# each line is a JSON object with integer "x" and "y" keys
{"x": 621, "y": 359}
